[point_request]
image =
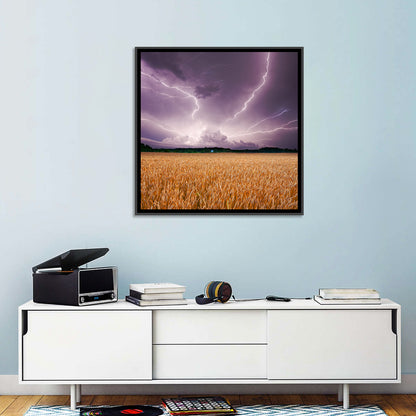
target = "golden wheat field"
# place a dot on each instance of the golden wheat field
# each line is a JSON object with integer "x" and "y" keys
{"x": 219, "y": 181}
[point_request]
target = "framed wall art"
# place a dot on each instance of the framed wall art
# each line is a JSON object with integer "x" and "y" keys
{"x": 219, "y": 130}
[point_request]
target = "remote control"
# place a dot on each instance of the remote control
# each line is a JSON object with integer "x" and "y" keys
{"x": 277, "y": 298}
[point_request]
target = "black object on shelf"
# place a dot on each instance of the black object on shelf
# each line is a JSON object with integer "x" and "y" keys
{"x": 60, "y": 280}
{"x": 72, "y": 259}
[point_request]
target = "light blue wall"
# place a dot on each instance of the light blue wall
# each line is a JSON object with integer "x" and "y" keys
{"x": 67, "y": 141}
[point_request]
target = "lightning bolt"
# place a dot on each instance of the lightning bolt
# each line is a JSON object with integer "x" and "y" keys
{"x": 284, "y": 127}
{"x": 177, "y": 89}
{"x": 160, "y": 93}
{"x": 161, "y": 125}
{"x": 268, "y": 118}
{"x": 255, "y": 90}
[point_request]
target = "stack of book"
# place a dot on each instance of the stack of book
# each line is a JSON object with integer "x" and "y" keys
{"x": 153, "y": 294}
{"x": 348, "y": 297}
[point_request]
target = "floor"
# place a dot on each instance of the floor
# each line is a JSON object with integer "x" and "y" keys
{"x": 392, "y": 404}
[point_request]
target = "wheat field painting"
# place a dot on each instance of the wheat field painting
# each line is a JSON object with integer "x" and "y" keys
{"x": 219, "y": 130}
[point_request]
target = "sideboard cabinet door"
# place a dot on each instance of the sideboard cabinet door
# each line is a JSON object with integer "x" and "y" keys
{"x": 87, "y": 345}
{"x": 331, "y": 344}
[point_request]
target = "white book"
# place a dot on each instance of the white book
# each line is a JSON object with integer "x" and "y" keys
{"x": 323, "y": 301}
{"x": 349, "y": 293}
{"x": 157, "y": 288}
{"x": 156, "y": 296}
{"x": 156, "y": 302}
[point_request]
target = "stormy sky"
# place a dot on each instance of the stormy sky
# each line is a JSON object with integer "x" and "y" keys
{"x": 237, "y": 100}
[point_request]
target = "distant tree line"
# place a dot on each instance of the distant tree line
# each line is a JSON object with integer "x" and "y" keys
{"x": 146, "y": 148}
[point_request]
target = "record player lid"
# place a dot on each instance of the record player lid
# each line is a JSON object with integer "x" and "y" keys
{"x": 72, "y": 259}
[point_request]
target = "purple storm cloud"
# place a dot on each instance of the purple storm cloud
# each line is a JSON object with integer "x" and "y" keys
{"x": 236, "y": 100}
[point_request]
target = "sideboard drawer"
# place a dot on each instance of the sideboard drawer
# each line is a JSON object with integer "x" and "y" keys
{"x": 209, "y": 327}
{"x": 209, "y": 361}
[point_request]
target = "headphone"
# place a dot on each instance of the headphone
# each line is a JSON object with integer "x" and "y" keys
{"x": 215, "y": 291}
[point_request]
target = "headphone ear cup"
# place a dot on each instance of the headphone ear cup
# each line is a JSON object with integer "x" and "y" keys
{"x": 213, "y": 288}
{"x": 218, "y": 291}
{"x": 225, "y": 292}
{"x": 207, "y": 289}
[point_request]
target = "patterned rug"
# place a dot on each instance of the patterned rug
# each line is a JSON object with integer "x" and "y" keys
{"x": 256, "y": 410}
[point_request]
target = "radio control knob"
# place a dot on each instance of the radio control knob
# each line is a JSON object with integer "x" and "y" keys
{"x": 82, "y": 299}
{"x": 112, "y": 295}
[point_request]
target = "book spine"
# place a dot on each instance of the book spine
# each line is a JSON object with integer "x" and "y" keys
{"x": 155, "y": 296}
{"x": 161, "y": 302}
{"x": 354, "y": 301}
{"x": 135, "y": 294}
{"x": 350, "y": 294}
{"x": 157, "y": 289}
{"x": 131, "y": 299}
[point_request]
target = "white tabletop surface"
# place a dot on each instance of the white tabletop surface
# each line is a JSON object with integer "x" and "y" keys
{"x": 230, "y": 305}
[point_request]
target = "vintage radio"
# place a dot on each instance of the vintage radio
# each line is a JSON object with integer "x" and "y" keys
{"x": 61, "y": 281}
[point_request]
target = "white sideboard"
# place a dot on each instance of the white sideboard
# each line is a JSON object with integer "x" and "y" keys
{"x": 253, "y": 342}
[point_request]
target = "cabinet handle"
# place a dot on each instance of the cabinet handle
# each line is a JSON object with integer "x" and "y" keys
{"x": 24, "y": 322}
{"x": 394, "y": 321}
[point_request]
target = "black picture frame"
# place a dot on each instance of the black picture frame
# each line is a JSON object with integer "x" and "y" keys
{"x": 169, "y": 82}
